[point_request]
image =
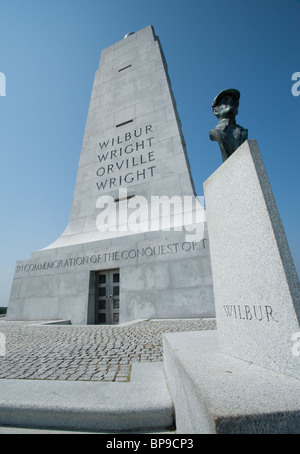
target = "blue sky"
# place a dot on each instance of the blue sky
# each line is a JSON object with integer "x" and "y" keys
{"x": 49, "y": 52}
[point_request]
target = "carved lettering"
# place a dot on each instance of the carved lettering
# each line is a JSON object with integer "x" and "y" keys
{"x": 109, "y": 171}
{"x": 250, "y": 313}
{"x": 129, "y": 254}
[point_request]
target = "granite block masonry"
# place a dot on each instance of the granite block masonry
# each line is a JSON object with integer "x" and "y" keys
{"x": 136, "y": 244}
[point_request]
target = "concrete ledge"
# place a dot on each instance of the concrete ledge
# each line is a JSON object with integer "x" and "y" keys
{"x": 57, "y": 322}
{"x": 215, "y": 393}
{"x": 85, "y": 406}
{"x": 35, "y": 322}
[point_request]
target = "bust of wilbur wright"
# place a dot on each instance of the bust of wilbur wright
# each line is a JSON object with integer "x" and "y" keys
{"x": 227, "y": 133}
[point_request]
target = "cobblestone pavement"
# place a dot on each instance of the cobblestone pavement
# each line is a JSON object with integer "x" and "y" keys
{"x": 98, "y": 353}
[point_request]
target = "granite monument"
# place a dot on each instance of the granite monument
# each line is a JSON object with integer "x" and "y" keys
{"x": 136, "y": 244}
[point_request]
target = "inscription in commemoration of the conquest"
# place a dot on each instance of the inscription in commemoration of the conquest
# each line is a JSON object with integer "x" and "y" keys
{"x": 147, "y": 252}
{"x": 131, "y": 151}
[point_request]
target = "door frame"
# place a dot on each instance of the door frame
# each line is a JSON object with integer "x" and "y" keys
{"x": 110, "y": 296}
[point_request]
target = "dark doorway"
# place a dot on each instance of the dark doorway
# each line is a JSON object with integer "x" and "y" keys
{"x": 107, "y": 297}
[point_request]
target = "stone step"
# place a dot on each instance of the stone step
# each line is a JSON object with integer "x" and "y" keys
{"x": 143, "y": 404}
{"x": 32, "y": 431}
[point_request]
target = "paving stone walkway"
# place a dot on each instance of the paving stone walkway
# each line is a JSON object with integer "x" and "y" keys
{"x": 98, "y": 353}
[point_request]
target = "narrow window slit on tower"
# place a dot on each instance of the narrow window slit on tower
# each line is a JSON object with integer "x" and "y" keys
{"x": 125, "y": 123}
{"x": 125, "y": 67}
{"x": 124, "y": 198}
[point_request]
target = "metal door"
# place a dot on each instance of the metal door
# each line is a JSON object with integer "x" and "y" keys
{"x": 107, "y": 297}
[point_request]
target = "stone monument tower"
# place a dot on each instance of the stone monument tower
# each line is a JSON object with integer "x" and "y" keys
{"x": 136, "y": 243}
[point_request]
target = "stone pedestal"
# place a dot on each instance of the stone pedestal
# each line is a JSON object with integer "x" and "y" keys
{"x": 245, "y": 377}
{"x": 215, "y": 393}
{"x": 256, "y": 286}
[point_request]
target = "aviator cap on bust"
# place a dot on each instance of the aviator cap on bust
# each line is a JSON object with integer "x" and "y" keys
{"x": 230, "y": 91}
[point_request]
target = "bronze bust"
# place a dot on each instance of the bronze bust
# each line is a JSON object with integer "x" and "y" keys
{"x": 227, "y": 133}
